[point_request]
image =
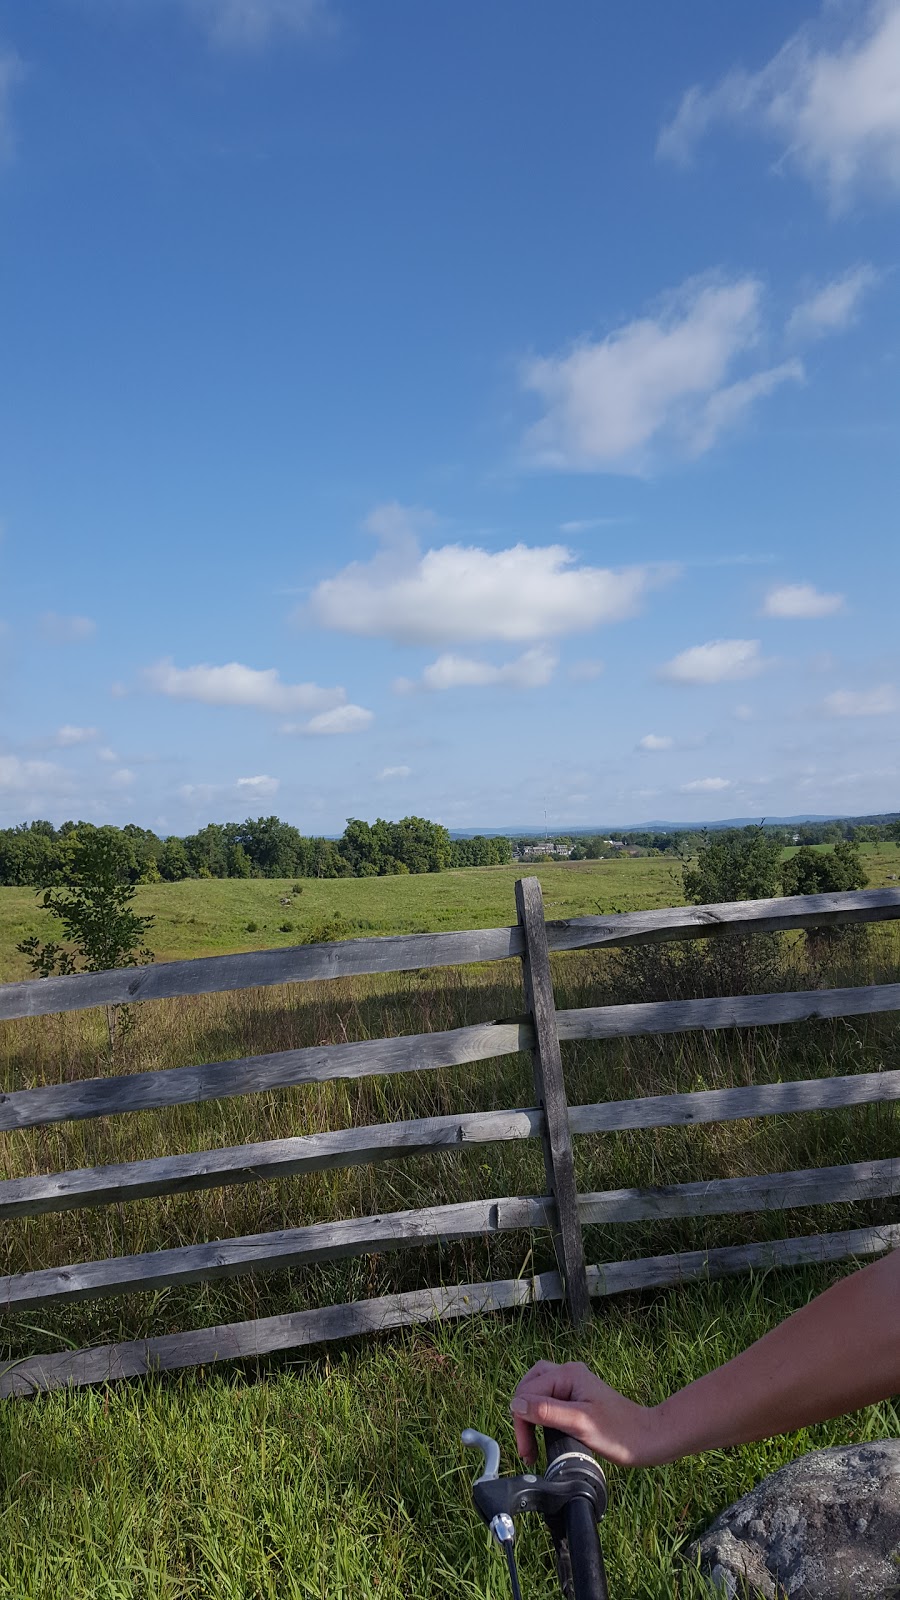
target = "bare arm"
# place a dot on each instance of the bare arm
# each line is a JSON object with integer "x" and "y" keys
{"x": 838, "y": 1353}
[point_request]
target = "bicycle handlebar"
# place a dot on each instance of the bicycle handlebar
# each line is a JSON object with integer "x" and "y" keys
{"x": 571, "y": 1497}
{"x": 579, "y": 1558}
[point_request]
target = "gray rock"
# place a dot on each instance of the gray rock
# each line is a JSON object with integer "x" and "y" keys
{"x": 825, "y": 1527}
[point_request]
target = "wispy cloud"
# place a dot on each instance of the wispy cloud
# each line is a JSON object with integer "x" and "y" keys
{"x": 460, "y": 593}
{"x": 254, "y": 24}
{"x": 340, "y": 719}
{"x": 586, "y": 524}
{"x": 69, "y": 735}
{"x": 531, "y": 670}
{"x": 706, "y": 786}
{"x": 12, "y": 71}
{"x": 883, "y": 701}
{"x": 587, "y": 671}
{"x": 58, "y": 629}
{"x": 831, "y": 102}
{"x": 20, "y": 776}
{"x": 261, "y": 785}
{"x": 656, "y": 741}
{"x": 800, "y": 600}
{"x": 663, "y": 382}
{"x": 718, "y": 661}
{"x": 834, "y": 306}
{"x": 392, "y": 774}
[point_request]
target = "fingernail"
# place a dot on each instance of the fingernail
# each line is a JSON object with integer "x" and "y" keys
{"x": 518, "y": 1407}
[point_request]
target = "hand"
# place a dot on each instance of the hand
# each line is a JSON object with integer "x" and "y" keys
{"x": 574, "y": 1400}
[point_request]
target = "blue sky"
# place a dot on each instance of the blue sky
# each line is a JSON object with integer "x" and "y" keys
{"x": 483, "y": 411}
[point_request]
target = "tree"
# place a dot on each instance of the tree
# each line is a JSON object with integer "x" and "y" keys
{"x": 94, "y": 907}
{"x": 173, "y": 861}
{"x": 824, "y": 871}
{"x": 734, "y": 864}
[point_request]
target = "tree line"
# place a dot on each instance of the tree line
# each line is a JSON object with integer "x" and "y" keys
{"x": 37, "y": 854}
{"x": 685, "y": 842}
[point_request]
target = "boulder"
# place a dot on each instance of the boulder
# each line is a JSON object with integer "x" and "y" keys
{"x": 825, "y": 1527}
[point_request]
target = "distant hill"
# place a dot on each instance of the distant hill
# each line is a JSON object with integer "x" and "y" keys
{"x": 521, "y": 830}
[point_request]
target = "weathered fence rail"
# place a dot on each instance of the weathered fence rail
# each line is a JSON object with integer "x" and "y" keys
{"x": 539, "y": 1031}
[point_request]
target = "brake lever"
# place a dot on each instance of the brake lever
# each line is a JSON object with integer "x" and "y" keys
{"x": 574, "y": 1475}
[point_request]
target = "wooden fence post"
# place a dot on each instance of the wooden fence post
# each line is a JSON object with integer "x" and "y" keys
{"x": 551, "y": 1095}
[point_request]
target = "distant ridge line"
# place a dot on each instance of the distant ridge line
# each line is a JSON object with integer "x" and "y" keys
{"x": 521, "y": 829}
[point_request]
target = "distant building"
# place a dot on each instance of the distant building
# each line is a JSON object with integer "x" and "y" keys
{"x": 544, "y": 847}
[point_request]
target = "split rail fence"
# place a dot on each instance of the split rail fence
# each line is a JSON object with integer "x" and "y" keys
{"x": 561, "y": 1209}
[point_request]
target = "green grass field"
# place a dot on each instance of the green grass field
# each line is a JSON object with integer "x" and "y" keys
{"x": 340, "y": 1473}
{"x": 198, "y": 918}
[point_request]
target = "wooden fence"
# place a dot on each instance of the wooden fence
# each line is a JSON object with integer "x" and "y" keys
{"x": 561, "y": 1209}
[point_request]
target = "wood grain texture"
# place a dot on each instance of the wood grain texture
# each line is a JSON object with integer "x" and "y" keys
{"x": 298, "y": 1330}
{"x": 556, "y": 1137}
{"x": 406, "y": 952}
{"x": 731, "y": 1105}
{"x": 271, "y": 1252}
{"x": 249, "y": 1340}
{"x": 689, "y": 1266}
{"x": 735, "y": 1011}
{"x": 219, "y": 1080}
{"x": 249, "y": 1163}
{"x": 276, "y": 1158}
{"x": 771, "y": 1191}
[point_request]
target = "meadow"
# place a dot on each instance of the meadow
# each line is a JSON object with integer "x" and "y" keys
{"x": 339, "y": 1472}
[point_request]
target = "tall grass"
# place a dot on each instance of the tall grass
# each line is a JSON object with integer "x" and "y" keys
{"x": 339, "y": 1473}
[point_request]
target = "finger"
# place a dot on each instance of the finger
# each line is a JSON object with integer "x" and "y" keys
{"x": 548, "y": 1411}
{"x": 526, "y": 1443}
{"x": 548, "y": 1379}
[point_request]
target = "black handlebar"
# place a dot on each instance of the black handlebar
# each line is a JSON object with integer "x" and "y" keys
{"x": 579, "y": 1558}
{"x": 571, "y": 1498}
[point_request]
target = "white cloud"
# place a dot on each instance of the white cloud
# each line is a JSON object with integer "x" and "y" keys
{"x": 387, "y": 774}
{"x": 57, "y": 629}
{"x": 833, "y": 307}
{"x": 237, "y": 685}
{"x": 342, "y": 719}
{"x": 833, "y": 105}
{"x": 656, "y": 741}
{"x": 70, "y": 735}
{"x": 252, "y": 24}
{"x": 744, "y": 713}
{"x": 586, "y": 524}
{"x": 531, "y": 670}
{"x": 881, "y": 702}
{"x": 661, "y": 381}
{"x": 457, "y": 593}
{"x": 123, "y": 778}
{"x": 706, "y": 786}
{"x": 17, "y": 776}
{"x": 11, "y": 72}
{"x": 261, "y": 785}
{"x": 725, "y": 408}
{"x": 586, "y": 671}
{"x": 800, "y": 600}
{"x": 719, "y": 661}
{"x": 105, "y": 754}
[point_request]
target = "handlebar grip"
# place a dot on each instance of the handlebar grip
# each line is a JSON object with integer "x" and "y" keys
{"x": 579, "y": 1555}
{"x": 562, "y": 1444}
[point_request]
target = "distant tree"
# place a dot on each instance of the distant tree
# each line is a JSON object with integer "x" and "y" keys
{"x": 734, "y": 864}
{"x": 173, "y": 861}
{"x": 239, "y": 864}
{"x": 824, "y": 871}
{"x": 101, "y": 928}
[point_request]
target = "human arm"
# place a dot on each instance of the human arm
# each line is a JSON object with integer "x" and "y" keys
{"x": 839, "y": 1352}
